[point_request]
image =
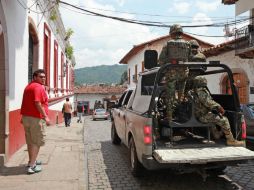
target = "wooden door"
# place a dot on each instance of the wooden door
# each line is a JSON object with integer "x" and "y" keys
{"x": 241, "y": 85}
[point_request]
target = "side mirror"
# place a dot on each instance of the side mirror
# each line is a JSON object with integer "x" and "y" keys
{"x": 150, "y": 59}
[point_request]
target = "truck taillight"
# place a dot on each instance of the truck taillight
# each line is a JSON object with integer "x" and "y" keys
{"x": 147, "y": 140}
{"x": 147, "y": 130}
{"x": 243, "y": 129}
{"x": 147, "y": 134}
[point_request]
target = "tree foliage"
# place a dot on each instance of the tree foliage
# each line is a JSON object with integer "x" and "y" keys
{"x": 107, "y": 74}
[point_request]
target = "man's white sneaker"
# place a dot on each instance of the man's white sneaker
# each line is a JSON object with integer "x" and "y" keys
{"x": 37, "y": 162}
{"x": 33, "y": 169}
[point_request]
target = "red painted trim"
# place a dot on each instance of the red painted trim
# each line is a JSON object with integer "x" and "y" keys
{"x": 16, "y": 129}
{"x": 16, "y": 132}
{"x": 67, "y": 77}
{"x": 56, "y": 66}
{"x": 53, "y": 101}
{"x": 47, "y": 45}
{"x": 62, "y": 71}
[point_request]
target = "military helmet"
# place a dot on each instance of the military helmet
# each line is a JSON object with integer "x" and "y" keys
{"x": 194, "y": 44}
{"x": 200, "y": 81}
{"x": 175, "y": 28}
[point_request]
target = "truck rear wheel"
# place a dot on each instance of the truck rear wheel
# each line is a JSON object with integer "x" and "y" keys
{"x": 114, "y": 136}
{"x": 136, "y": 166}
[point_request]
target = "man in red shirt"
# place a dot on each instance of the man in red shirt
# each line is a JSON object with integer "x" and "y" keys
{"x": 34, "y": 111}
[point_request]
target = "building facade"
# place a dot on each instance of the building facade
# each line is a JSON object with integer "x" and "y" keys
{"x": 91, "y": 94}
{"x": 242, "y": 69}
{"x": 31, "y": 37}
{"x": 135, "y": 57}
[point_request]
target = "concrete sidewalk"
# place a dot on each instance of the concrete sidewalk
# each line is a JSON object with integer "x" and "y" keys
{"x": 63, "y": 163}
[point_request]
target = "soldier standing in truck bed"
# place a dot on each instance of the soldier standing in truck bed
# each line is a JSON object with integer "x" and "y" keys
{"x": 195, "y": 54}
{"x": 176, "y": 51}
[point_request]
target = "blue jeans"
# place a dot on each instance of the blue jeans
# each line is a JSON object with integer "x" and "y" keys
{"x": 79, "y": 117}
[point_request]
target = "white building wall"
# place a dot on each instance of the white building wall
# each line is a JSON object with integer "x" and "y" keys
{"x": 229, "y": 58}
{"x": 17, "y": 29}
{"x": 91, "y": 98}
{"x": 18, "y": 38}
{"x": 139, "y": 58}
{"x": 236, "y": 63}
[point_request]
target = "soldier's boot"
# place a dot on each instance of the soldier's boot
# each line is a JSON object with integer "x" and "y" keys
{"x": 216, "y": 133}
{"x": 233, "y": 142}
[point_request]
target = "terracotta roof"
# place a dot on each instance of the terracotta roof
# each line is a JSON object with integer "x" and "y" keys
{"x": 141, "y": 46}
{"x": 229, "y": 2}
{"x": 97, "y": 89}
{"x": 220, "y": 48}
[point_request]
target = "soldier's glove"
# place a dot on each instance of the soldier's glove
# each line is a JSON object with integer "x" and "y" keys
{"x": 221, "y": 110}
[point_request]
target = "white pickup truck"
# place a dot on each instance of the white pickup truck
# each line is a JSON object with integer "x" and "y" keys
{"x": 185, "y": 143}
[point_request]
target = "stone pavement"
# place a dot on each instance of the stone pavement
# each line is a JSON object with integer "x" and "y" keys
{"x": 63, "y": 163}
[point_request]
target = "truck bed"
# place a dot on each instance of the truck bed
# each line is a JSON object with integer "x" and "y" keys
{"x": 202, "y": 155}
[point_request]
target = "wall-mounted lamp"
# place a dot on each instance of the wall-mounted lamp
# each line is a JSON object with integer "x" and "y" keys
{"x": 1, "y": 29}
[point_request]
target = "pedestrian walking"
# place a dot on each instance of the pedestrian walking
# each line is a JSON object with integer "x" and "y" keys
{"x": 34, "y": 111}
{"x": 67, "y": 109}
{"x": 80, "y": 110}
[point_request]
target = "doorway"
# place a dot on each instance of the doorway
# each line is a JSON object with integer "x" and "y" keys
{"x": 33, "y": 49}
{"x": 241, "y": 83}
{"x": 3, "y": 72}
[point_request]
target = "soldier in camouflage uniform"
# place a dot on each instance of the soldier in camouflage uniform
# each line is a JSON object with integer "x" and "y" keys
{"x": 174, "y": 52}
{"x": 209, "y": 111}
{"x": 195, "y": 55}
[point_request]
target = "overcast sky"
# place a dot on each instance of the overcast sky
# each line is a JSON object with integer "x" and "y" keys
{"x": 102, "y": 41}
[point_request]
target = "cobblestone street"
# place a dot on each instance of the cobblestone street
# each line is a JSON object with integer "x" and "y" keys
{"x": 108, "y": 168}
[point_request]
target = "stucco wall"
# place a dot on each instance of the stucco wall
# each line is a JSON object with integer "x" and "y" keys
{"x": 139, "y": 58}
{"x": 237, "y": 65}
{"x": 15, "y": 21}
{"x": 18, "y": 35}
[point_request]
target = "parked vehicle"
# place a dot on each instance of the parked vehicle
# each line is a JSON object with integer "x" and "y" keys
{"x": 185, "y": 144}
{"x": 100, "y": 114}
{"x": 248, "y": 111}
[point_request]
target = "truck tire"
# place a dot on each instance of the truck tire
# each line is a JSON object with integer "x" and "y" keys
{"x": 114, "y": 136}
{"x": 136, "y": 166}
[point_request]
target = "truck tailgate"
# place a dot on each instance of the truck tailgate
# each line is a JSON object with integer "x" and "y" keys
{"x": 202, "y": 155}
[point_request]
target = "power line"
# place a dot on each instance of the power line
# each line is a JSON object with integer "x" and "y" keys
{"x": 151, "y": 23}
{"x": 154, "y": 15}
{"x": 29, "y": 8}
{"x": 204, "y": 35}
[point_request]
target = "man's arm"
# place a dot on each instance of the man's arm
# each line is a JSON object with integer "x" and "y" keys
{"x": 41, "y": 109}
{"x": 163, "y": 56}
{"x": 206, "y": 99}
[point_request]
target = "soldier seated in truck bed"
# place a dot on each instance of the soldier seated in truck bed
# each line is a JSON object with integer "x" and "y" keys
{"x": 209, "y": 111}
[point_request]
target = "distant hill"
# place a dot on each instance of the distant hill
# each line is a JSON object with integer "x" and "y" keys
{"x": 99, "y": 74}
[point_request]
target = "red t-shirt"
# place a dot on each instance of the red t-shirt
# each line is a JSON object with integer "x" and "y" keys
{"x": 34, "y": 92}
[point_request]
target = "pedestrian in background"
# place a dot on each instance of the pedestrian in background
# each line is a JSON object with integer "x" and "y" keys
{"x": 34, "y": 111}
{"x": 80, "y": 110}
{"x": 67, "y": 109}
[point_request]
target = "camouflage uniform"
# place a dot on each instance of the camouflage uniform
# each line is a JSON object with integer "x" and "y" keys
{"x": 195, "y": 55}
{"x": 205, "y": 107}
{"x": 176, "y": 50}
